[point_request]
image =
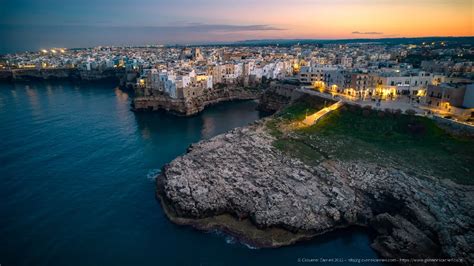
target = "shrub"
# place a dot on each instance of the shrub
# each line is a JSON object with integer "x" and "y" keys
{"x": 389, "y": 112}
{"x": 381, "y": 114}
{"x": 366, "y": 112}
{"x": 410, "y": 112}
{"x": 353, "y": 108}
{"x": 416, "y": 128}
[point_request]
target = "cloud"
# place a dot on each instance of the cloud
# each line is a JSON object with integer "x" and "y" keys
{"x": 367, "y": 33}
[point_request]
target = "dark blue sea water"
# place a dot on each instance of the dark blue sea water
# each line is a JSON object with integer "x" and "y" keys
{"x": 76, "y": 168}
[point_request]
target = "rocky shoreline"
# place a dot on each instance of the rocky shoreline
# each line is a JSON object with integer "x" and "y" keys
{"x": 192, "y": 106}
{"x": 121, "y": 75}
{"x": 240, "y": 183}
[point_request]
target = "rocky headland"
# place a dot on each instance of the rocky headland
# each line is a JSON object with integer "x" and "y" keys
{"x": 239, "y": 182}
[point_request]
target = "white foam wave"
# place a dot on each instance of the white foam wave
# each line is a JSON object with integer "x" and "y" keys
{"x": 248, "y": 246}
{"x": 153, "y": 173}
{"x": 231, "y": 240}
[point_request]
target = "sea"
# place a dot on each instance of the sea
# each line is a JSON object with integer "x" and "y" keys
{"x": 77, "y": 183}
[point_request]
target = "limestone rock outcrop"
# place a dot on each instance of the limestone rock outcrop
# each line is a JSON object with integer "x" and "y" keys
{"x": 242, "y": 174}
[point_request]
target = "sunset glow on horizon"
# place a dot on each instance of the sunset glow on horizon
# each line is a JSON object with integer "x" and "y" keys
{"x": 51, "y": 23}
{"x": 359, "y": 18}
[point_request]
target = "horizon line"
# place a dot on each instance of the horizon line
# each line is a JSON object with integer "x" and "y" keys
{"x": 217, "y": 43}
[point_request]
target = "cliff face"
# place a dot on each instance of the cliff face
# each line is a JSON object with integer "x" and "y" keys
{"x": 66, "y": 73}
{"x": 276, "y": 200}
{"x": 5, "y": 75}
{"x": 278, "y": 96}
{"x": 187, "y": 107}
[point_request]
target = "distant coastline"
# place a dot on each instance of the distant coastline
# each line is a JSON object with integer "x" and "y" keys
{"x": 270, "y": 42}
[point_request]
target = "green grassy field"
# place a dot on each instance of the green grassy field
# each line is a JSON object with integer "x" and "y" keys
{"x": 410, "y": 143}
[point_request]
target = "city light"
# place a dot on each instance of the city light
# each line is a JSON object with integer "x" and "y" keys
{"x": 421, "y": 93}
{"x": 319, "y": 85}
{"x": 374, "y": 75}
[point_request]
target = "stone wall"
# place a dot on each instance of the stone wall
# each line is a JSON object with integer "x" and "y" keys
{"x": 454, "y": 127}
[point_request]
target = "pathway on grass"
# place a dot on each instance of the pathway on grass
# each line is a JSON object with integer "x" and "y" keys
{"x": 312, "y": 119}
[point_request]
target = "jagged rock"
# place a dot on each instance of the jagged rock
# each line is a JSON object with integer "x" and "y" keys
{"x": 397, "y": 237}
{"x": 242, "y": 174}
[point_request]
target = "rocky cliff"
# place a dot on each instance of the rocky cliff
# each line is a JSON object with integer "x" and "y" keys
{"x": 278, "y": 96}
{"x": 194, "y": 105}
{"x": 5, "y": 75}
{"x": 65, "y": 73}
{"x": 240, "y": 183}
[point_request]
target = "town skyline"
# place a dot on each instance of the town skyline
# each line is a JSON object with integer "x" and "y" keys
{"x": 28, "y": 25}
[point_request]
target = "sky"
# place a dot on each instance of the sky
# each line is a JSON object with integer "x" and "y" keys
{"x": 36, "y": 24}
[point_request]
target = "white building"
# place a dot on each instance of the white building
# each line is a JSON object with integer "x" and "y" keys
{"x": 405, "y": 83}
{"x": 346, "y": 61}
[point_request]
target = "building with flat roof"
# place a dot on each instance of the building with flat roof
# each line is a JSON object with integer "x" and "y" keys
{"x": 452, "y": 100}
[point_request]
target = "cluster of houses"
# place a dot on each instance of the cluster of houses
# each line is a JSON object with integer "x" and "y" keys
{"x": 441, "y": 79}
{"x": 196, "y": 73}
{"x": 353, "y": 74}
